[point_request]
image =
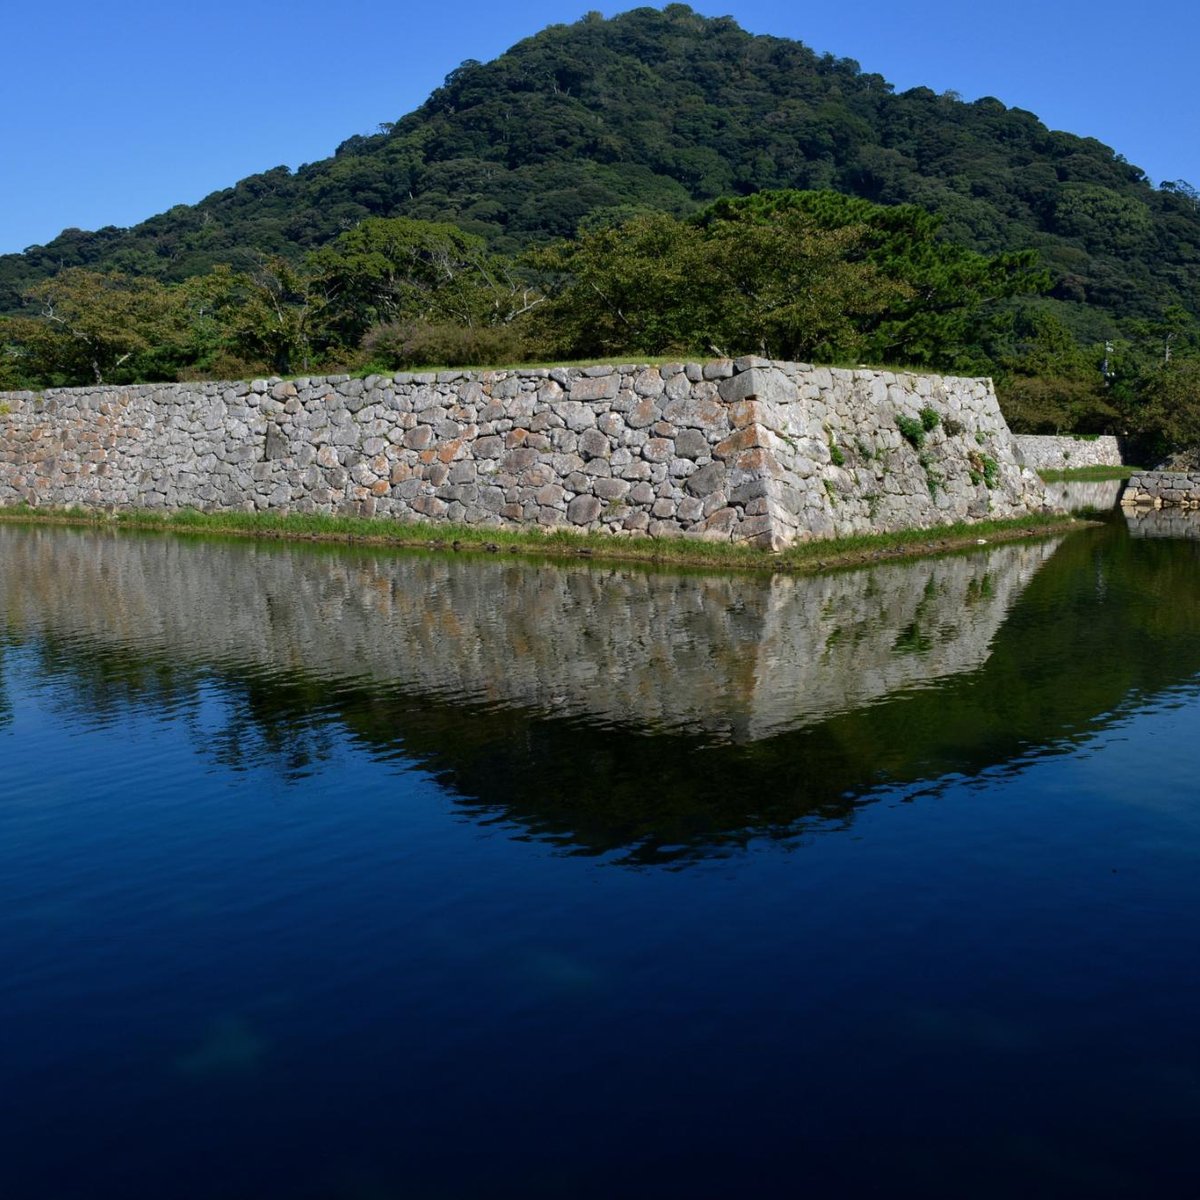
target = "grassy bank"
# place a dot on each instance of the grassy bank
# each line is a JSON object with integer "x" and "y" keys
{"x": 557, "y": 543}
{"x": 637, "y": 360}
{"x": 1088, "y": 474}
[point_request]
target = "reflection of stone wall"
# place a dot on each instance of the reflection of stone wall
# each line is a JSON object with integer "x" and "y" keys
{"x": 1067, "y": 451}
{"x": 1163, "y": 523}
{"x": 737, "y": 657}
{"x": 1074, "y": 494}
{"x": 743, "y": 451}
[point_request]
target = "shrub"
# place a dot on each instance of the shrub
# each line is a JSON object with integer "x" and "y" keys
{"x": 983, "y": 469}
{"x": 426, "y": 343}
{"x": 912, "y": 430}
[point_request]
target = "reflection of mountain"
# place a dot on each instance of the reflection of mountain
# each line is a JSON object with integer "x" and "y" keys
{"x": 720, "y": 655}
{"x": 1182, "y": 524}
{"x": 660, "y": 716}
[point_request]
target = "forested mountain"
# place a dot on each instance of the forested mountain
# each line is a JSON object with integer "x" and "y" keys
{"x": 666, "y": 111}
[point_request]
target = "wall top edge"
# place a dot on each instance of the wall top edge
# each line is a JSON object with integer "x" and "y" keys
{"x": 695, "y": 370}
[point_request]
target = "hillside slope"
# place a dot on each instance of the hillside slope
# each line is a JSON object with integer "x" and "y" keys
{"x": 666, "y": 110}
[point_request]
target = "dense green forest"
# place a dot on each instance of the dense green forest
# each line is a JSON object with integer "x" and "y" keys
{"x": 600, "y": 150}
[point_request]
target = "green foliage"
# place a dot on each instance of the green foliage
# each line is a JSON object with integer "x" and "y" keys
{"x": 667, "y": 111}
{"x": 789, "y": 274}
{"x": 429, "y": 343}
{"x": 422, "y": 292}
{"x": 92, "y": 327}
{"x": 933, "y": 477}
{"x": 983, "y": 469}
{"x": 912, "y": 429}
{"x": 274, "y": 313}
{"x": 630, "y": 286}
{"x": 388, "y": 270}
{"x": 735, "y": 282}
{"x": 942, "y": 298}
{"x": 1048, "y": 382}
{"x": 1103, "y": 218}
{"x": 1171, "y": 411}
{"x": 14, "y": 366}
{"x": 930, "y": 419}
{"x": 1053, "y": 404}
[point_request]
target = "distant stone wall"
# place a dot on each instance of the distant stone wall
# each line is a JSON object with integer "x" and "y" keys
{"x": 748, "y": 450}
{"x": 1067, "y": 451}
{"x": 1163, "y": 489}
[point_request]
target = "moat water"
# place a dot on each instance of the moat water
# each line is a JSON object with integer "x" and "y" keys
{"x": 336, "y": 875}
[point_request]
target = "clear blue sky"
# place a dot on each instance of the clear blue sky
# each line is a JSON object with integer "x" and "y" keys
{"x": 114, "y": 110}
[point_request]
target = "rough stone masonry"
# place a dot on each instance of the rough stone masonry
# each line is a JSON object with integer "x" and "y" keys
{"x": 747, "y": 450}
{"x": 1162, "y": 489}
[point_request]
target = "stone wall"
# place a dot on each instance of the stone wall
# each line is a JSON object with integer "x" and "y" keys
{"x": 1163, "y": 489}
{"x": 1065, "y": 452}
{"x": 745, "y": 451}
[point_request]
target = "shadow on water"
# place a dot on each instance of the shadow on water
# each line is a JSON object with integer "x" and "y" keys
{"x": 575, "y": 704}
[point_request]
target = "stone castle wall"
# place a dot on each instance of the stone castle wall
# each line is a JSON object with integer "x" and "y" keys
{"x": 1162, "y": 489}
{"x": 748, "y": 450}
{"x": 1067, "y": 451}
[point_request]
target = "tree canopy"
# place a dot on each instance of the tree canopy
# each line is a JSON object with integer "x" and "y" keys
{"x": 667, "y": 111}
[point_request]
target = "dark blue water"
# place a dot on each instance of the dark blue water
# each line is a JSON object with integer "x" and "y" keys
{"x": 331, "y": 875}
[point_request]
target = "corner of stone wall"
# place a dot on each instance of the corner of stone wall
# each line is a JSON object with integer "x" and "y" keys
{"x": 758, "y": 478}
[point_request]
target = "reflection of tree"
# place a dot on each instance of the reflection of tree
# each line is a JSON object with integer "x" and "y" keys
{"x": 1108, "y": 620}
{"x": 269, "y": 721}
{"x": 6, "y": 712}
{"x": 262, "y": 721}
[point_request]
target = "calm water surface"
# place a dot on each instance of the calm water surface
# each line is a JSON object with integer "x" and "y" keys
{"x": 336, "y": 875}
